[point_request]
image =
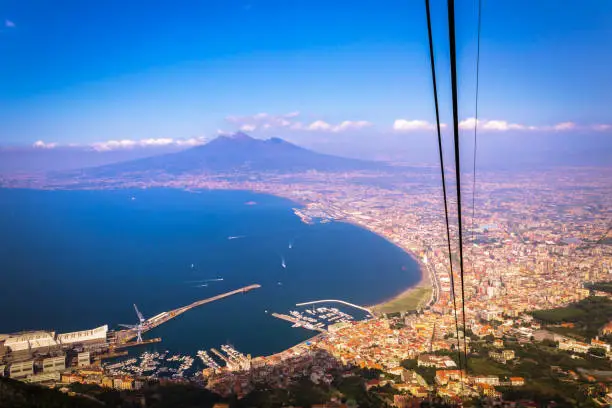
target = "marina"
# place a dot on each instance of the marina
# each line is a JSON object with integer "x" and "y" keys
{"x": 297, "y": 322}
{"x": 228, "y": 355}
{"x": 316, "y": 319}
{"x": 155, "y": 365}
{"x": 207, "y": 360}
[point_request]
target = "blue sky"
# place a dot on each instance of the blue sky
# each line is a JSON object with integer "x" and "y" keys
{"x": 76, "y": 71}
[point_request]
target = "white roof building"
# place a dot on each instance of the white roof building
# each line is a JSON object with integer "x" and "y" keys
{"x": 25, "y": 341}
{"x": 99, "y": 333}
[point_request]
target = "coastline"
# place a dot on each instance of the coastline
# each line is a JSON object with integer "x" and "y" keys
{"x": 411, "y": 298}
{"x": 422, "y": 287}
{"x": 424, "y": 284}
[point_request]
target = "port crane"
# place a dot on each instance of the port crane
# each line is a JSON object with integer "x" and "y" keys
{"x": 145, "y": 325}
{"x": 138, "y": 327}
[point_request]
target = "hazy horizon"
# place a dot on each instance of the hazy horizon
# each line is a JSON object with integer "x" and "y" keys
{"x": 519, "y": 152}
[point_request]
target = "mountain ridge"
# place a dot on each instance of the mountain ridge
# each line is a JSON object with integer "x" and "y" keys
{"x": 234, "y": 153}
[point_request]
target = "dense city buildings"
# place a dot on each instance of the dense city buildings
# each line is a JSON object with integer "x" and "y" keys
{"x": 537, "y": 239}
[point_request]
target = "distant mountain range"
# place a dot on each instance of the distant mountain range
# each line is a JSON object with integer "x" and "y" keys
{"x": 236, "y": 153}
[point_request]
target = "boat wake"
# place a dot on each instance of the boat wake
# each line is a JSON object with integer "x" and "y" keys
{"x": 206, "y": 280}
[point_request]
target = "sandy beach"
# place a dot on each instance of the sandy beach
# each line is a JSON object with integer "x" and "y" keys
{"x": 413, "y": 297}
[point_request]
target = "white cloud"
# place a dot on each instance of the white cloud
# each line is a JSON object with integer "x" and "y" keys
{"x": 349, "y": 125}
{"x": 9, "y": 24}
{"x": 159, "y": 142}
{"x": 496, "y": 125}
{"x": 262, "y": 120}
{"x": 564, "y": 126}
{"x": 265, "y": 121}
{"x": 114, "y": 145}
{"x": 404, "y": 125}
{"x": 319, "y": 125}
{"x": 322, "y": 126}
{"x": 493, "y": 125}
{"x": 194, "y": 141}
{"x": 468, "y": 123}
{"x": 128, "y": 143}
{"x": 156, "y": 142}
{"x": 501, "y": 125}
{"x": 601, "y": 127}
{"x": 39, "y": 144}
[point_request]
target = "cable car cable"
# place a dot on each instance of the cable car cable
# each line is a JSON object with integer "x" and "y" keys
{"x": 475, "y": 140}
{"x": 435, "y": 92}
{"x": 453, "y": 63}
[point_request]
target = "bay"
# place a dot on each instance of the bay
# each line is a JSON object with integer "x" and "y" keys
{"x": 74, "y": 260}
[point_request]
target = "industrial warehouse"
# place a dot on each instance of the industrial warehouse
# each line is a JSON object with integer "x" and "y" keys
{"x": 40, "y": 356}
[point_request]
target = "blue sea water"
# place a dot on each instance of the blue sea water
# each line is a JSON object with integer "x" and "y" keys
{"x": 74, "y": 260}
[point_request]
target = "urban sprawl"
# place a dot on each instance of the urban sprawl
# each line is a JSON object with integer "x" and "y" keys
{"x": 535, "y": 242}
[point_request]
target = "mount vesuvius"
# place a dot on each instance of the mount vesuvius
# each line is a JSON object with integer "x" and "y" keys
{"x": 235, "y": 153}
